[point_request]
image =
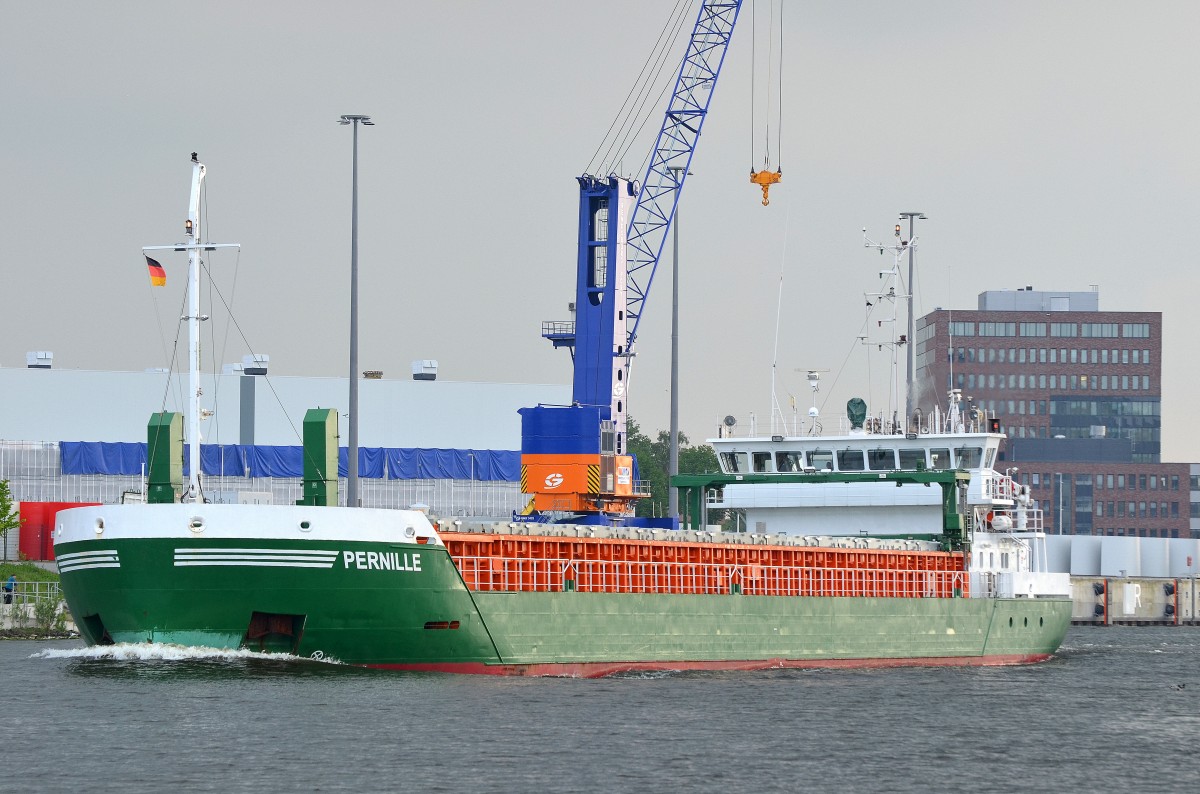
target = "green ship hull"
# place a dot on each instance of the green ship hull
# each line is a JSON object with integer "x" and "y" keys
{"x": 404, "y": 606}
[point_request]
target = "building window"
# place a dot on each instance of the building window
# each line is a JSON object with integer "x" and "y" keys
{"x": 1145, "y": 356}
{"x": 1095, "y": 330}
{"x": 1063, "y": 329}
{"x": 1125, "y": 356}
{"x": 1104, "y": 356}
{"x": 1135, "y": 330}
{"x": 997, "y": 329}
{"x": 1145, "y": 382}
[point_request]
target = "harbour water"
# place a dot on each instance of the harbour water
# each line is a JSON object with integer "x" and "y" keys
{"x": 1118, "y": 710}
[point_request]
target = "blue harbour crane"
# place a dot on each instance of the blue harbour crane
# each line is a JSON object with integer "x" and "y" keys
{"x": 574, "y": 459}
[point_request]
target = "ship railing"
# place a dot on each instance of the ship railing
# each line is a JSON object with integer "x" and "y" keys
{"x": 497, "y": 574}
{"x": 999, "y": 488}
{"x": 1035, "y": 520}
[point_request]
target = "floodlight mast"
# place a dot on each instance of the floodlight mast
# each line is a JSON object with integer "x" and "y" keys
{"x": 352, "y": 498}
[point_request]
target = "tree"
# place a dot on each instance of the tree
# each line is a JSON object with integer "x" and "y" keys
{"x": 9, "y": 517}
{"x": 653, "y": 457}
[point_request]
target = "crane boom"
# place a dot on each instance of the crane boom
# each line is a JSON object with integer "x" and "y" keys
{"x": 673, "y": 151}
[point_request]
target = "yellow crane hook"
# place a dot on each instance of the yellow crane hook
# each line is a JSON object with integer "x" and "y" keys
{"x": 765, "y": 179}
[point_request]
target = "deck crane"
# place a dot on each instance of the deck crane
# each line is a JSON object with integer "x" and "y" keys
{"x": 574, "y": 459}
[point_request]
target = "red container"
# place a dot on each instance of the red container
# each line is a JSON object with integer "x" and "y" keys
{"x": 37, "y": 527}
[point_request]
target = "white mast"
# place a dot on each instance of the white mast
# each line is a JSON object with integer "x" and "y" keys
{"x": 193, "y": 246}
{"x": 898, "y": 249}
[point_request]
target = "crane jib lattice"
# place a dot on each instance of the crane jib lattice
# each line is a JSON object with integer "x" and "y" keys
{"x": 668, "y": 168}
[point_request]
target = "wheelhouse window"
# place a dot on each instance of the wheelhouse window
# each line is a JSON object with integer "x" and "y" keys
{"x": 789, "y": 461}
{"x": 912, "y": 459}
{"x": 821, "y": 459}
{"x": 850, "y": 460}
{"x": 939, "y": 459}
{"x": 762, "y": 461}
{"x": 969, "y": 457}
{"x": 735, "y": 462}
{"x": 881, "y": 459}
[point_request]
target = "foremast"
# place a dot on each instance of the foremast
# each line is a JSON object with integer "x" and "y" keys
{"x": 193, "y": 246}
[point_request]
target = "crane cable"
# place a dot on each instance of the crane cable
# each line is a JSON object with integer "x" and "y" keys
{"x": 766, "y": 177}
{"x": 617, "y": 139}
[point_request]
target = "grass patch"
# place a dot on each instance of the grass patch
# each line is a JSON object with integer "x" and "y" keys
{"x": 26, "y": 572}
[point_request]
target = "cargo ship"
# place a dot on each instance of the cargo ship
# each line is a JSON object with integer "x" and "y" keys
{"x": 390, "y": 589}
{"x": 576, "y": 584}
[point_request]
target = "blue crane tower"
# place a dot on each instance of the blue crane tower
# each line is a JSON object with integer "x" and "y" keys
{"x": 574, "y": 459}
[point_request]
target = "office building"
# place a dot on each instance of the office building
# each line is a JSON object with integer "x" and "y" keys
{"x": 1078, "y": 392}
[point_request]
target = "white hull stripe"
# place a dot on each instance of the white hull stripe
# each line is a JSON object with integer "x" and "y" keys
{"x": 86, "y": 566}
{"x": 273, "y": 558}
{"x": 84, "y": 560}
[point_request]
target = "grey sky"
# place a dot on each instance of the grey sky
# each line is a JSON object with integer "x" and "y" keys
{"x": 1051, "y": 144}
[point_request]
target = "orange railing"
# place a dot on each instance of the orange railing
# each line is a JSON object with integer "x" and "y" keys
{"x": 539, "y": 565}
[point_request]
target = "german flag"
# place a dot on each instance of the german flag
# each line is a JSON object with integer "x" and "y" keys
{"x": 158, "y": 276}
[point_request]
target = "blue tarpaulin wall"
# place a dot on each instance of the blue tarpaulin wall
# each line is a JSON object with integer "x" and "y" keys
{"x": 238, "y": 460}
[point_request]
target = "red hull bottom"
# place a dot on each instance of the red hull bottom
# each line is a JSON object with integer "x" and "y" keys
{"x": 601, "y": 669}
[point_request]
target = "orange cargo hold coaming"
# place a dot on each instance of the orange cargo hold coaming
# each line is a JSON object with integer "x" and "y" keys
{"x": 535, "y": 563}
